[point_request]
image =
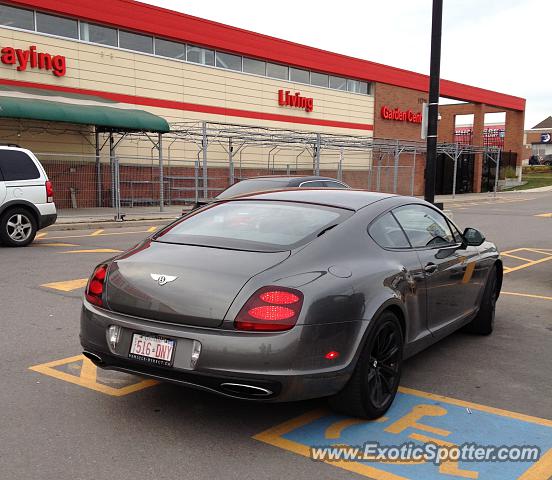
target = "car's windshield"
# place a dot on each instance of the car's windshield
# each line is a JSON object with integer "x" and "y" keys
{"x": 254, "y": 225}
{"x": 250, "y": 186}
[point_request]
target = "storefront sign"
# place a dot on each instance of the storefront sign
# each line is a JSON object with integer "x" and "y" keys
{"x": 399, "y": 115}
{"x": 286, "y": 99}
{"x": 546, "y": 138}
{"x": 30, "y": 58}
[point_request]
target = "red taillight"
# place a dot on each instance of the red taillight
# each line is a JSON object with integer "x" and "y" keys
{"x": 49, "y": 191}
{"x": 96, "y": 285}
{"x": 270, "y": 309}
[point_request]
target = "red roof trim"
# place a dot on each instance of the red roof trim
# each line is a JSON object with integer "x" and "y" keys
{"x": 190, "y": 107}
{"x": 166, "y": 23}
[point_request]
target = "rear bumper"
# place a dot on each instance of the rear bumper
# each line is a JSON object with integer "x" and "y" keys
{"x": 286, "y": 366}
{"x": 47, "y": 215}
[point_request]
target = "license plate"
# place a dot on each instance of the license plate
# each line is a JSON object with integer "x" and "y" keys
{"x": 151, "y": 349}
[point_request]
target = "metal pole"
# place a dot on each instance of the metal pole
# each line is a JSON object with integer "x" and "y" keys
{"x": 317, "y": 155}
{"x": 288, "y": 171}
{"x": 340, "y": 165}
{"x": 413, "y": 180}
{"x": 196, "y": 181}
{"x": 205, "y": 177}
{"x": 231, "y": 161}
{"x": 118, "y": 216}
{"x": 98, "y": 169}
{"x": 378, "y": 176}
{"x": 396, "y": 168}
{"x": 497, "y": 173}
{"x": 161, "y": 174}
{"x": 114, "y": 185}
{"x": 455, "y": 170}
{"x": 433, "y": 106}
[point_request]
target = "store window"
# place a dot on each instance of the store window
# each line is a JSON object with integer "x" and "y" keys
{"x": 54, "y": 25}
{"x": 250, "y": 65}
{"x": 356, "y": 86}
{"x": 90, "y": 32}
{"x": 16, "y": 17}
{"x": 319, "y": 79}
{"x": 135, "y": 41}
{"x": 228, "y": 61}
{"x": 200, "y": 55}
{"x": 275, "y": 70}
{"x": 338, "y": 83}
{"x": 166, "y": 48}
{"x": 298, "y": 75}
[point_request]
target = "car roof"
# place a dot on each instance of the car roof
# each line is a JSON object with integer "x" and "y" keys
{"x": 339, "y": 197}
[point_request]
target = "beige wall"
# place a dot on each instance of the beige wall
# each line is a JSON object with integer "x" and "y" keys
{"x": 117, "y": 71}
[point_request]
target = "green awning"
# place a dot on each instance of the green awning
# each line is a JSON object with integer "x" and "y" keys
{"x": 103, "y": 116}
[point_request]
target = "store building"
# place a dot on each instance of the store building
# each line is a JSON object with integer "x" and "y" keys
{"x": 538, "y": 141}
{"x": 71, "y": 72}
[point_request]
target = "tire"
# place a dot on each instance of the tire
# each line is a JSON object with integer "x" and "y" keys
{"x": 372, "y": 388}
{"x": 18, "y": 227}
{"x": 483, "y": 323}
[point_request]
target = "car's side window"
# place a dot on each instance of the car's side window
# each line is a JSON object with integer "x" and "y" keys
{"x": 424, "y": 226}
{"x": 387, "y": 233}
{"x": 331, "y": 184}
{"x": 313, "y": 184}
{"x": 16, "y": 165}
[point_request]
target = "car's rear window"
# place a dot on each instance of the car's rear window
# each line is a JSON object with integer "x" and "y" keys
{"x": 16, "y": 165}
{"x": 267, "y": 226}
{"x": 250, "y": 186}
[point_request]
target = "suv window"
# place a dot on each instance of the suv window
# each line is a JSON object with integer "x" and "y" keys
{"x": 424, "y": 226}
{"x": 387, "y": 232}
{"x": 15, "y": 165}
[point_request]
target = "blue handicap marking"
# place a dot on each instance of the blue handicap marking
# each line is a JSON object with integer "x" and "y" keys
{"x": 420, "y": 420}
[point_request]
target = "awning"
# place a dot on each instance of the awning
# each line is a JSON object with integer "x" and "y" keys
{"x": 33, "y": 104}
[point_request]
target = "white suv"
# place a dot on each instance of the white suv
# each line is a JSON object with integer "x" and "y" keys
{"x": 26, "y": 197}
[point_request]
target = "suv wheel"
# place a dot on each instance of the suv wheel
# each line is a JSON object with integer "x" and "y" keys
{"x": 17, "y": 228}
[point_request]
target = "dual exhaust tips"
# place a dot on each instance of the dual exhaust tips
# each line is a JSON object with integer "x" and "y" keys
{"x": 235, "y": 389}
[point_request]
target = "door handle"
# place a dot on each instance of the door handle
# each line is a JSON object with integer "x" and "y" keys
{"x": 430, "y": 268}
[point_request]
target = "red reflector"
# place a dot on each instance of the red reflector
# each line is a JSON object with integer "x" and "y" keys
{"x": 271, "y": 312}
{"x": 331, "y": 355}
{"x": 279, "y": 297}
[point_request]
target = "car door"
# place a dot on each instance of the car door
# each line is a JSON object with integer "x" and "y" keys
{"x": 22, "y": 180}
{"x": 448, "y": 265}
{"x": 2, "y": 187}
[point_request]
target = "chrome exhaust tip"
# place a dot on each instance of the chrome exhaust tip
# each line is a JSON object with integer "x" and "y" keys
{"x": 245, "y": 390}
{"x": 95, "y": 359}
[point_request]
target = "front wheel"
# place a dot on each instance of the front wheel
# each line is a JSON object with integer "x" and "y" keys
{"x": 17, "y": 228}
{"x": 374, "y": 383}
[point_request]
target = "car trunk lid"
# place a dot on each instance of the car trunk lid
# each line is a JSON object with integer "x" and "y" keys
{"x": 183, "y": 284}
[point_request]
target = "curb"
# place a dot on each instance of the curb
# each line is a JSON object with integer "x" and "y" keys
{"x": 107, "y": 224}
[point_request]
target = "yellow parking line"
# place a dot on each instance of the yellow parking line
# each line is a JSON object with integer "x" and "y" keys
{"x": 152, "y": 229}
{"x": 55, "y": 245}
{"x": 41, "y": 235}
{"x": 528, "y": 264}
{"x": 544, "y": 215}
{"x": 95, "y": 250}
{"x": 97, "y": 232}
{"x": 99, "y": 235}
{"x": 516, "y": 257}
{"x": 539, "y": 470}
{"x": 536, "y": 250}
{"x": 68, "y": 285}
{"x": 528, "y": 295}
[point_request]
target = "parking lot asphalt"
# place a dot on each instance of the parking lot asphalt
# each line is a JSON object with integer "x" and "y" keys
{"x": 64, "y": 419}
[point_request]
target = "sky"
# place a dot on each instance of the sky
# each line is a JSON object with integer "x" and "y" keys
{"x": 501, "y": 45}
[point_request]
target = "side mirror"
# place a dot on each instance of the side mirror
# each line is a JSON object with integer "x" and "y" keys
{"x": 473, "y": 237}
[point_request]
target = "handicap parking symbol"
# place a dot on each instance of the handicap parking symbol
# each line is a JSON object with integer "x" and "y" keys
{"x": 424, "y": 437}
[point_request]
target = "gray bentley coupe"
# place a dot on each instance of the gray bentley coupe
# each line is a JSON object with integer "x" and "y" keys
{"x": 291, "y": 295}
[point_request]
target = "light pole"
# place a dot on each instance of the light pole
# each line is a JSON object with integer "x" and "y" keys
{"x": 433, "y": 107}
